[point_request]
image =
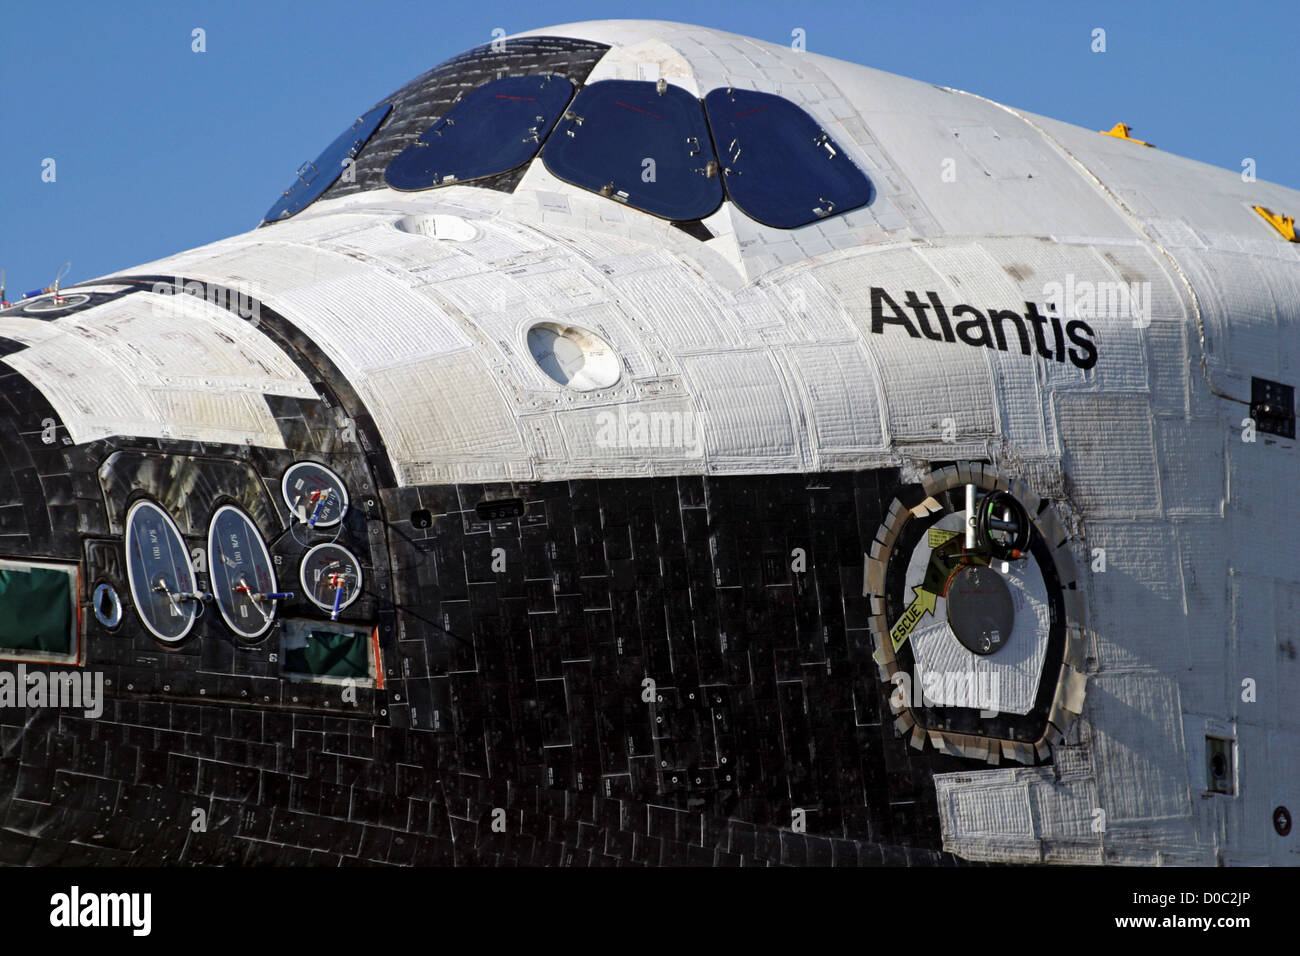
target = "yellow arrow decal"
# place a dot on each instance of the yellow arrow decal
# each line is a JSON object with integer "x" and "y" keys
{"x": 922, "y": 604}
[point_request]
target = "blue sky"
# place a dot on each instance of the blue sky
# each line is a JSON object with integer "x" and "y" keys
{"x": 160, "y": 149}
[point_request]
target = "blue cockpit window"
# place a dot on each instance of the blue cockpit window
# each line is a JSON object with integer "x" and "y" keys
{"x": 316, "y": 177}
{"x": 645, "y": 144}
{"x": 493, "y": 129}
{"x": 780, "y": 167}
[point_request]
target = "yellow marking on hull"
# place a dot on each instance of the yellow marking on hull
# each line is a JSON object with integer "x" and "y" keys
{"x": 922, "y": 604}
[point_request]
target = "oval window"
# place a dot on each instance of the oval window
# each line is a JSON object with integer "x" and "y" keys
{"x": 159, "y": 571}
{"x": 243, "y": 577}
{"x": 573, "y": 357}
{"x": 107, "y": 605}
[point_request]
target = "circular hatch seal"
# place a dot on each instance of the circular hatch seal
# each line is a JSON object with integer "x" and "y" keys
{"x": 56, "y": 303}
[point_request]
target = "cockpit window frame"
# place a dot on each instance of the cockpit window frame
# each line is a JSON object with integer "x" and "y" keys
{"x": 440, "y": 157}
{"x": 316, "y": 177}
{"x": 685, "y": 154}
{"x": 759, "y": 190}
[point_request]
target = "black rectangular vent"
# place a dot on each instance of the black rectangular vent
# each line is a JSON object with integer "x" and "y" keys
{"x": 1220, "y": 765}
{"x": 1272, "y": 406}
{"x": 497, "y": 509}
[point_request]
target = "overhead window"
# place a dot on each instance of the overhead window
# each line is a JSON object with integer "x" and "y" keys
{"x": 780, "y": 167}
{"x": 38, "y": 610}
{"x": 640, "y": 143}
{"x": 315, "y": 177}
{"x": 493, "y": 129}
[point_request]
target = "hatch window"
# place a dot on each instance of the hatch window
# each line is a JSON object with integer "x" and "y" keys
{"x": 644, "y": 144}
{"x": 492, "y": 129}
{"x": 779, "y": 166}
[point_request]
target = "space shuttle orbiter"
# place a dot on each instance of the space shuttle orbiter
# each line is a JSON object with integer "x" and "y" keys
{"x": 635, "y": 442}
